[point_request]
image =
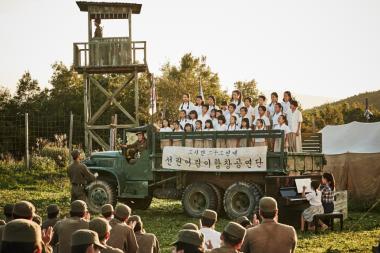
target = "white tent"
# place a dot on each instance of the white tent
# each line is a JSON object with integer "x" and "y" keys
{"x": 353, "y": 156}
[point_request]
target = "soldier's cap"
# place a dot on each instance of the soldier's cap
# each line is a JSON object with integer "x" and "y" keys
{"x": 242, "y": 219}
{"x": 75, "y": 153}
{"x": 107, "y": 208}
{"x": 85, "y": 237}
{"x": 268, "y": 204}
{"x": 122, "y": 211}
{"x": 188, "y": 236}
{"x": 136, "y": 218}
{"x": 236, "y": 230}
{"x": 190, "y": 226}
{"x": 78, "y": 206}
{"x": 210, "y": 214}
{"x": 2, "y": 222}
{"x": 8, "y": 209}
{"x": 24, "y": 209}
{"x": 37, "y": 219}
{"x": 100, "y": 226}
{"x": 53, "y": 208}
{"x": 22, "y": 230}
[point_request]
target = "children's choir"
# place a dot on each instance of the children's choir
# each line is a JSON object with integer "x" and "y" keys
{"x": 238, "y": 115}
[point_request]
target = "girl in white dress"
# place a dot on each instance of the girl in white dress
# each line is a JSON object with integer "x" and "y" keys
{"x": 198, "y": 104}
{"x": 209, "y": 126}
{"x": 213, "y": 117}
{"x": 262, "y": 115}
{"x": 211, "y": 104}
{"x": 177, "y": 128}
{"x": 189, "y": 129}
{"x": 282, "y": 125}
{"x": 198, "y": 143}
{"x": 277, "y": 113}
{"x": 271, "y": 106}
{"x": 286, "y": 102}
{"x": 221, "y": 143}
{"x": 244, "y": 127}
{"x": 236, "y": 99}
{"x": 186, "y": 104}
{"x": 193, "y": 117}
{"x": 259, "y": 142}
{"x": 165, "y": 128}
{"x": 232, "y": 142}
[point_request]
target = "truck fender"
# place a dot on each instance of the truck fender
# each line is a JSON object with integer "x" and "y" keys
{"x": 112, "y": 174}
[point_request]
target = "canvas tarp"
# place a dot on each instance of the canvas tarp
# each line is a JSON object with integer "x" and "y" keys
{"x": 353, "y": 155}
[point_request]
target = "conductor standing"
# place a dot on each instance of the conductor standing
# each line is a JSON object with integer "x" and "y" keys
{"x": 79, "y": 176}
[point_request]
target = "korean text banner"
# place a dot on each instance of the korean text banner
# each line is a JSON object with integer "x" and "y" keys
{"x": 215, "y": 159}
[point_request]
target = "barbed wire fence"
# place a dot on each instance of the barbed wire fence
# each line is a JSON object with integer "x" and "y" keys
{"x": 19, "y": 133}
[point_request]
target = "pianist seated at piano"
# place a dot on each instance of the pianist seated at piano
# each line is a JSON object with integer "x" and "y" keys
{"x": 315, "y": 200}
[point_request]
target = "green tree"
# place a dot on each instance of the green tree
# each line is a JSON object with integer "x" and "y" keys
{"x": 248, "y": 89}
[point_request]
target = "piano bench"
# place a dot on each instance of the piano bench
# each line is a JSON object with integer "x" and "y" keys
{"x": 330, "y": 217}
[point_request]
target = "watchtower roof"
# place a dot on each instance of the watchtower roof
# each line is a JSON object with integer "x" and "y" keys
{"x": 109, "y": 10}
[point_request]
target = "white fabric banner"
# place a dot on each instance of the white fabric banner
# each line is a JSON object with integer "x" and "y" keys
{"x": 215, "y": 159}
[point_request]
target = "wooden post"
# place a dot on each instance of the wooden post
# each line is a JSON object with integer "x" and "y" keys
{"x": 130, "y": 24}
{"x": 89, "y": 27}
{"x": 71, "y": 131}
{"x": 137, "y": 96}
{"x": 86, "y": 134}
{"x": 27, "y": 158}
{"x": 113, "y": 130}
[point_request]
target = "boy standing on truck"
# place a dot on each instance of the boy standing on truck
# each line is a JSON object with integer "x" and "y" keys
{"x": 208, "y": 221}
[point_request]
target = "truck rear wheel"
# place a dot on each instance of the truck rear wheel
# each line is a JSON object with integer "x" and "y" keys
{"x": 198, "y": 197}
{"x": 241, "y": 199}
{"x": 141, "y": 204}
{"x": 219, "y": 198}
{"x": 100, "y": 193}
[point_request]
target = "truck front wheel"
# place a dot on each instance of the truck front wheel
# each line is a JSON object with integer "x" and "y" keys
{"x": 198, "y": 197}
{"x": 100, "y": 193}
{"x": 241, "y": 199}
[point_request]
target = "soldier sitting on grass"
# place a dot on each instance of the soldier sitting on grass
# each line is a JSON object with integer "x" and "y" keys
{"x": 85, "y": 241}
{"x": 107, "y": 212}
{"x": 147, "y": 242}
{"x": 189, "y": 241}
{"x": 102, "y": 228}
{"x": 232, "y": 238}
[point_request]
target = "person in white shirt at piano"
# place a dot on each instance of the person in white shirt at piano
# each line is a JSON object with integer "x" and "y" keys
{"x": 294, "y": 118}
{"x": 186, "y": 104}
{"x": 262, "y": 115}
{"x": 204, "y": 114}
{"x": 286, "y": 102}
{"x": 198, "y": 104}
{"x": 315, "y": 200}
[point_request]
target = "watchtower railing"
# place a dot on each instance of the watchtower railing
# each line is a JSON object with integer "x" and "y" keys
{"x": 109, "y": 52}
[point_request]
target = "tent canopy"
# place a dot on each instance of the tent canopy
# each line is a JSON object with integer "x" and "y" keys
{"x": 355, "y": 137}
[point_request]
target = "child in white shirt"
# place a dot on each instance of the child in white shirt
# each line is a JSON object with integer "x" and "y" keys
{"x": 198, "y": 104}
{"x": 261, "y": 102}
{"x": 277, "y": 113}
{"x": 286, "y": 102}
{"x": 221, "y": 143}
{"x": 263, "y": 117}
{"x": 204, "y": 114}
{"x": 294, "y": 117}
{"x": 231, "y": 112}
{"x": 271, "y": 106}
{"x": 165, "y": 129}
{"x": 236, "y": 99}
{"x": 198, "y": 143}
{"x": 232, "y": 142}
{"x": 188, "y": 129}
{"x": 250, "y": 111}
{"x": 186, "y": 104}
{"x": 211, "y": 104}
{"x": 183, "y": 119}
{"x": 193, "y": 117}
{"x": 177, "y": 128}
{"x": 315, "y": 200}
{"x": 259, "y": 142}
{"x": 224, "y": 108}
{"x": 209, "y": 126}
{"x": 243, "y": 142}
{"x": 214, "y": 116}
{"x": 281, "y": 125}
{"x": 243, "y": 115}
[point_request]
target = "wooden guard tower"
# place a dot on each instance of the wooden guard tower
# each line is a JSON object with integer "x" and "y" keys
{"x": 101, "y": 55}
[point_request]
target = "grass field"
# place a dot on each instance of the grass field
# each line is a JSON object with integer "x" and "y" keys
{"x": 165, "y": 217}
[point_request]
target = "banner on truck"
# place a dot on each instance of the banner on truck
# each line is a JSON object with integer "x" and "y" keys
{"x": 215, "y": 159}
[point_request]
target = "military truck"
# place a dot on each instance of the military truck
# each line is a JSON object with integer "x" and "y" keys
{"x": 235, "y": 193}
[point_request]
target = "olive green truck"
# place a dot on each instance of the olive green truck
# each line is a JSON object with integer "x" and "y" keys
{"x": 231, "y": 191}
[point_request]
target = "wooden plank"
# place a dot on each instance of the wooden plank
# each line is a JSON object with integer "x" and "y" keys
{"x": 99, "y": 140}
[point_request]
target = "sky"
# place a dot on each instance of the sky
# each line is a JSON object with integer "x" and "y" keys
{"x": 324, "y": 48}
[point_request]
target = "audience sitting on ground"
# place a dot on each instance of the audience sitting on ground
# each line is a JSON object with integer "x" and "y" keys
{"x": 208, "y": 222}
{"x": 85, "y": 241}
{"x": 107, "y": 212}
{"x": 146, "y": 242}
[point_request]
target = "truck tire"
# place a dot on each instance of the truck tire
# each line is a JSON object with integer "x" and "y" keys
{"x": 140, "y": 204}
{"x": 198, "y": 197}
{"x": 100, "y": 192}
{"x": 241, "y": 199}
{"x": 219, "y": 198}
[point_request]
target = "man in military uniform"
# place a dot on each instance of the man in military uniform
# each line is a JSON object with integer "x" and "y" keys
{"x": 232, "y": 238}
{"x": 52, "y": 216}
{"x": 122, "y": 235}
{"x": 269, "y": 236}
{"x": 134, "y": 148}
{"x": 85, "y": 241}
{"x": 63, "y": 230}
{"x": 22, "y": 235}
{"x": 147, "y": 242}
{"x": 190, "y": 226}
{"x": 101, "y": 226}
{"x": 107, "y": 212}
{"x": 79, "y": 176}
{"x": 189, "y": 241}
